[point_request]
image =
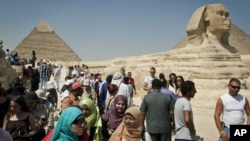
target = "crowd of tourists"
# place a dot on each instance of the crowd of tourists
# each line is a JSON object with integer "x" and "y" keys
{"x": 87, "y": 108}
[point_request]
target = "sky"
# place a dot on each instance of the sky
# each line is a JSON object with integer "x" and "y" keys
{"x": 105, "y": 29}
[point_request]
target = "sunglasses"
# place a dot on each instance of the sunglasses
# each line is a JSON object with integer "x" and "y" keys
{"x": 79, "y": 122}
{"x": 235, "y": 87}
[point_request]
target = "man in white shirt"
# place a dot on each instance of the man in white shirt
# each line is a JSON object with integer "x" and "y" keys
{"x": 148, "y": 80}
{"x": 232, "y": 106}
{"x": 122, "y": 88}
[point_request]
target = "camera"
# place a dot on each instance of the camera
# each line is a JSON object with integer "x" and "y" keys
{"x": 21, "y": 130}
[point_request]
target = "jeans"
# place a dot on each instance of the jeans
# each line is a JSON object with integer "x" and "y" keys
{"x": 227, "y": 130}
{"x": 43, "y": 81}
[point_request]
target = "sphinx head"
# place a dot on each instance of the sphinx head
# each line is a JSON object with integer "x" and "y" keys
{"x": 217, "y": 19}
{"x": 212, "y": 19}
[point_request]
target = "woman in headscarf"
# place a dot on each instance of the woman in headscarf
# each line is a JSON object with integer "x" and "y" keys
{"x": 113, "y": 118}
{"x": 92, "y": 118}
{"x": 131, "y": 127}
{"x": 70, "y": 125}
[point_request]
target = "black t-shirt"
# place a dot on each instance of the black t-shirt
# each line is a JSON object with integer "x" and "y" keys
{"x": 3, "y": 110}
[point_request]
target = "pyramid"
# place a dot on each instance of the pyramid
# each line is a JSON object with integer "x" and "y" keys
{"x": 47, "y": 45}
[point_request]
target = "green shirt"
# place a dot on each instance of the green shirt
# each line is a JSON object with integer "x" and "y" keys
{"x": 157, "y": 107}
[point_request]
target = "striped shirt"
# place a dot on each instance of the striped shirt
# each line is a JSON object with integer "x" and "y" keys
{"x": 43, "y": 70}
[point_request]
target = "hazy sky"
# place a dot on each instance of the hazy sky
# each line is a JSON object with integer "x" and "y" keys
{"x": 105, "y": 29}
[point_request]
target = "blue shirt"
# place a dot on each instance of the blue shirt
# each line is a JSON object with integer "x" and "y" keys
{"x": 104, "y": 93}
{"x": 170, "y": 93}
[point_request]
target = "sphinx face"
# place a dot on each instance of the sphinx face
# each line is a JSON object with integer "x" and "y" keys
{"x": 217, "y": 17}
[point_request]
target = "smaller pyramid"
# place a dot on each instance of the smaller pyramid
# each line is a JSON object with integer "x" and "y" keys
{"x": 47, "y": 45}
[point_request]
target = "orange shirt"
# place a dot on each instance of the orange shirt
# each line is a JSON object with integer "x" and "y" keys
{"x": 69, "y": 101}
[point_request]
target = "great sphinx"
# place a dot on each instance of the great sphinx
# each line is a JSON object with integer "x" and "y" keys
{"x": 208, "y": 54}
{"x": 209, "y": 27}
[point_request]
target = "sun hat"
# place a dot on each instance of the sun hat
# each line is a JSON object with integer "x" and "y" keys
{"x": 41, "y": 94}
{"x": 117, "y": 78}
{"x": 50, "y": 85}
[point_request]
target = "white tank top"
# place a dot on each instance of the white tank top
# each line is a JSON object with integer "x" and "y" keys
{"x": 233, "y": 109}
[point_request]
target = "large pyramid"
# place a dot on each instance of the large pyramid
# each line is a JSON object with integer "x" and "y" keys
{"x": 47, "y": 45}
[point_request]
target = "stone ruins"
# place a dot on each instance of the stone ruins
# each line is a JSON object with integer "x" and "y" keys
{"x": 7, "y": 73}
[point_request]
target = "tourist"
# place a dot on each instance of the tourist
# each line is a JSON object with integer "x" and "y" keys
{"x": 131, "y": 127}
{"x": 103, "y": 92}
{"x": 57, "y": 75}
{"x": 92, "y": 118}
{"x": 131, "y": 81}
{"x": 231, "y": 106}
{"x": 162, "y": 77}
{"x": 130, "y": 87}
{"x": 98, "y": 82}
{"x": 7, "y": 55}
{"x": 157, "y": 109}
{"x": 148, "y": 80}
{"x": 172, "y": 82}
{"x": 51, "y": 93}
{"x": 70, "y": 125}
{"x": 69, "y": 71}
{"x": 44, "y": 74}
{"x": 73, "y": 98}
{"x": 43, "y": 102}
{"x": 5, "y": 136}
{"x": 179, "y": 81}
{"x": 66, "y": 88}
{"x": 122, "y": 71}
{"x": 165, "y": 90}
{"x": 39, "y": 111}
{"x": 4, "y": 104}
{"x": 88, "y": 91}
{"x": 18, "y": 121}
{"x": 114, "y": 117}
{"x": 112, "y": 89}
{"x": 91, "y": 80}
{"x": 33, "y": 75}
{"x": 81, "y": 77}
{"x": 122, "y": 87}
{"x": 33, "y": 59}
{"x": 183, "y": 114}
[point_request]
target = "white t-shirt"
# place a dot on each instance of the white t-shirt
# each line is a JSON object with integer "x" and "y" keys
{"x": 124, "y": 90}
{"x": 148, "y": 80}
{"x": 182, "y": 132}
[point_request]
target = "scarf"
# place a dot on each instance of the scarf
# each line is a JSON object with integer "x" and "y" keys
{"x": 91, "y": 119}
{"x": 63, "y": 130}
{"x": 113, "y": 117}
{"x": 133, "y": 133}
